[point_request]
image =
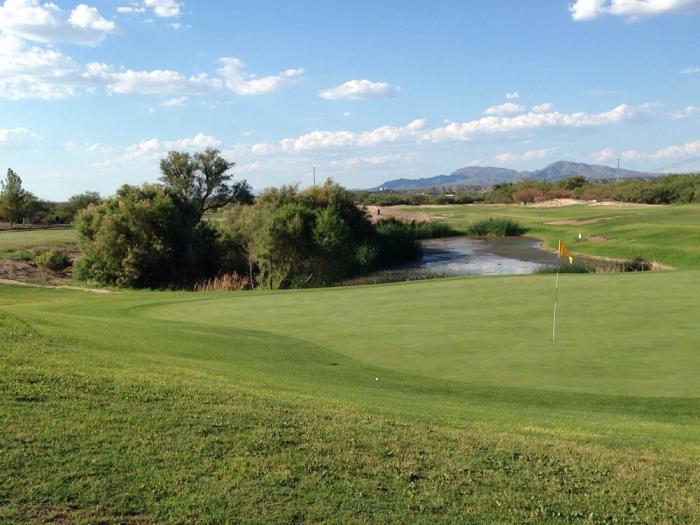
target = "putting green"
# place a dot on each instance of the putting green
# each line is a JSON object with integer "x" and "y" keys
{"x": 627, "y": 334}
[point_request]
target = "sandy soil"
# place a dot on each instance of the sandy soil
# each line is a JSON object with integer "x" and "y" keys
{"x": 556, "y": 203}
{"x": 382, "y": 212}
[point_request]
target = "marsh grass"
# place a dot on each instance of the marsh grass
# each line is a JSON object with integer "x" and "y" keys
{"x": 495, "y": 227}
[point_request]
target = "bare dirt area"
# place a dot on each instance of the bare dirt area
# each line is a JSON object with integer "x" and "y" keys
{"x": 556, "y": 203}
{"x": 382, "y": 212}
{"x": 28, "y": 272}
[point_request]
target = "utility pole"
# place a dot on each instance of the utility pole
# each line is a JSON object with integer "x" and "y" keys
{"x": 618, "y": 169}
{"x": 314, "y": 175}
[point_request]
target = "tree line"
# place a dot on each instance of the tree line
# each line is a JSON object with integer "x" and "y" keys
{"x": 197, "y": 224}
{"x": 667, "y": 189}
{"x": 19, "y": 206}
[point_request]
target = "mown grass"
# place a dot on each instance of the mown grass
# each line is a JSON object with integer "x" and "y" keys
{"x": 14, "y": 243}
{"x": 150, "y": 407}
{"x": 667, "y": 234}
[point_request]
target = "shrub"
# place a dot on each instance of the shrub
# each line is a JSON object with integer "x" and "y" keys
{"x": 432, "y": 230}
{"x": 145, "y": 237}
{"x": 54, "y": 259}
{"x": 495, "y": 227}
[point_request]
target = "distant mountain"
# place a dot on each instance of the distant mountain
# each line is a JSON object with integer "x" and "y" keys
{"x": 487, "y": 176}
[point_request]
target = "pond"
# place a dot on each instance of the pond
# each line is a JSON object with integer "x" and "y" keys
{"x": 467, "y": 256}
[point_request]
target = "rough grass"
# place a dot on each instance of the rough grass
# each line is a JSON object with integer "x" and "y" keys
{"x": 667, "y": 234}
{"x": 249, "y": 407}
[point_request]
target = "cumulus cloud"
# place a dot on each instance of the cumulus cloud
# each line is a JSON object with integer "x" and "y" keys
{"x": 685, "y": 112}
{"x": 603, "y": 155}
{"x": 340, "y": 139}
{"x": 690, "y": 70}
{"x": 512, "y": 95}
{"x": 34, "y": 72}
{"x": 631, "y": 10}
{"x": 129, "y": 9}
{"x": 13, "y": 137}
{"x": 40, "y": 72}
{"x": 676, "y": 151}
{"x": 237, "y": 79}
{"x": 49, "y": 23}
{"x": 490, "y": 125}
{"x": 503, "y": 109}
{"x": 359, "y": 89}
{"x": 534, "y": 154}
{"x": 150, "y": 149}
{"x": 159, "y": 81}
{"x": 543, "y": 108}
{"x": 164, "y": 8}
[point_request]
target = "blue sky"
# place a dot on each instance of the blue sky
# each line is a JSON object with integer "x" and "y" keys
{"x": 93, "y": 95}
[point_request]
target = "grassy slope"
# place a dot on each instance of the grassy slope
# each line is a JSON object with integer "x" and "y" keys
{"x": 16, "y": 240}
{"x": 669, "y": 234}
{"x": 264, "y": 406}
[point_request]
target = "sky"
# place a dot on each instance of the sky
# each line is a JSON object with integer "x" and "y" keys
{"x": 93, "y": 94}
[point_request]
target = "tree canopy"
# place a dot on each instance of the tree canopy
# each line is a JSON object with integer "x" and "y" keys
{"x": 204, "y": 179}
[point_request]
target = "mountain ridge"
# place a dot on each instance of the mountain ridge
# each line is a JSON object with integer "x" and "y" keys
{"x": 488, "y": 176}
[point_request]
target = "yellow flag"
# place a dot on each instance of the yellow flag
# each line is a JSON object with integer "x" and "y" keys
{"x": 564, "y": 252}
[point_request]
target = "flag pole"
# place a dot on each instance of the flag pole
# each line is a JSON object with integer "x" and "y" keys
{"x": 556, "y": 294}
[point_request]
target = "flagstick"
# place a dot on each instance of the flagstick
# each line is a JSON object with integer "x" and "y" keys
{"x": 556, "y": 300}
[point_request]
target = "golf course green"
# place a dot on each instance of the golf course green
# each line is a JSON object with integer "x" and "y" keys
{"x": 442, "y": 400}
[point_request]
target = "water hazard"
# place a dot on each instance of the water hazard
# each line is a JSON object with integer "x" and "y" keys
{"x": 466, "y": 256}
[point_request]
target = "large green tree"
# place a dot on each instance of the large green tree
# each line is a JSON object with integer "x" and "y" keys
{"x": 145, "y": 236}
{"x": 15, "y": 202}
{"x": 204, "y": 179}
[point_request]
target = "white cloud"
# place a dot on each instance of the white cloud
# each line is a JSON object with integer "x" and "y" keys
{"x": 513, "y": 95}
{"x": 586, "y": 9}
{"x": 32, "y": 71}
{"x": 243, "y": 83}
{"x": 347, "y": 114}
{"x": 160, "y": 81}
{"x": 154, "y": 148}
{"x": 174, "y": 102}
{"x": 164, "y": 8}
{"x": 359, "y": 89}
{"x": 543, "y": 108}
{"x": 603, "y": 155}
{"x": 490, "y": 125}
{"x": 505, "y": 108}
{"x": 14, "y": 137}
{"x": 534, "y": 154}
{"x": 49, "y": 23}
{"x": 685, "y": 112}
{"x": 35, "y": 72}
{"x": 690, "y": 70}
{"x": 339, "y": 139}
{"x": 128, "y": 9}
{"x": 631, "y": 10}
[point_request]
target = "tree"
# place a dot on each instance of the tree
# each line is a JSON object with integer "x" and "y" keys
{"x": 81, "y": 201}
{"x": 145, "y": 237}
{"x": 203, "y": 179}
{"x": 15, "y": 202}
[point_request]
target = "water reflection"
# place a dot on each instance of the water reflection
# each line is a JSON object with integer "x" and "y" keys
{"x": 466, "y": 256}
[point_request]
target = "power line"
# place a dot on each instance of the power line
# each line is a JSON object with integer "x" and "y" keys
{"x": 675, "y": 165}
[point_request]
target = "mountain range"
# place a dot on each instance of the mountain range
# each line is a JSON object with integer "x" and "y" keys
{"x": 488, "y": 176}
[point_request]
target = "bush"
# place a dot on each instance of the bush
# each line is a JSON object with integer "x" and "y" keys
{"x": 495, "y": 227}
{"x": 145, "y": 237}
{"x": 432, "y": 230}
{"x": 55, "y": 260}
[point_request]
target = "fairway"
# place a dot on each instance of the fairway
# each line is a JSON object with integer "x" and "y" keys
{"x": 666, "y": 234}
{"x": 15, "y": 240}
{"x": 364, "y": 403}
